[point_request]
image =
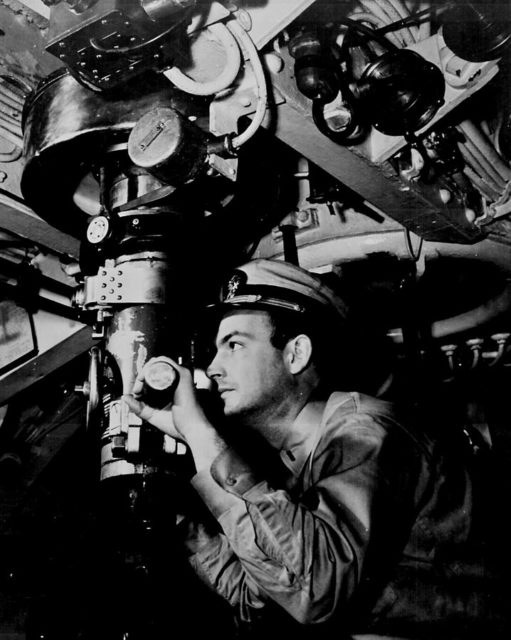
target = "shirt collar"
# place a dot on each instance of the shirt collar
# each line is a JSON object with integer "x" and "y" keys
{"x": 301, "y": 438}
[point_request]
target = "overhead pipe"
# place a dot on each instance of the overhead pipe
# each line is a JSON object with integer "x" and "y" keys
{"x": 424, "y": 25}
{"x": 378, "y": 23}
{"x": 372, "y": 7}
{"x": 481, "y": 185}
{"x": 482, "y": 170}
{"x": 396, "y": 12}
{"x": 478, "y": 138}
{"x": 482, "y": 161}
{"x": 246, "y": 41}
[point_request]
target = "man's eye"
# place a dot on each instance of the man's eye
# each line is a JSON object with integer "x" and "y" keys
{"x": 234, "y": 346}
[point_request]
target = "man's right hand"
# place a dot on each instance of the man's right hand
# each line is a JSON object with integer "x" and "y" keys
{"x": 181, "y": 416}
{"x": 160, "y": 418}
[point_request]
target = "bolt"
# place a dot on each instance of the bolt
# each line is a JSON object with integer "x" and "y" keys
{"x": 3, "y": 176}
{"x": 303, "y": 215}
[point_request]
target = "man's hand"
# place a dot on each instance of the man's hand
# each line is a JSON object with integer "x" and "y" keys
{"x": 160, "y": 418}
{"x": 180, "y": 417}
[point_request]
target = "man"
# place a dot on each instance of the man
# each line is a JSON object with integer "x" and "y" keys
{"x": 368, "y": 532}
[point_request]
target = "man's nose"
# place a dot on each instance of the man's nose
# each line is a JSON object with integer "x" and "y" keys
{"x": 214, "y": 369}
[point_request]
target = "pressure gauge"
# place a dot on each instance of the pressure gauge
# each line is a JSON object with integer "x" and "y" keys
{"x": 98, "y": 229}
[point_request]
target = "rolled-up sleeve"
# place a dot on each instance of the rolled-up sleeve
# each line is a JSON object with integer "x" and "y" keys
{"x": 306, "y": 556}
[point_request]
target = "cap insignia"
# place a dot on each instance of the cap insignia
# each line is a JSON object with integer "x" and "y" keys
{"x": 233, "y": 285}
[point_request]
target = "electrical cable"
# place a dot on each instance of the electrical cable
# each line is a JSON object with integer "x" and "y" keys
{"x": 400, "y": 11}
{"x": 414, "y": 256}
{"x": 395, "y": 17}
{"x": 378, "y": 24}
{"x": 374, "y": 7}
{"x": 262, "y": 90}
{"x": 425, "y": 11}
{"x": 224, "y": 79}
{"x": 481, "y": 166}
{"x": 370, "y": 33}
{"x": 483, "y": 188}
{"x": 479, "y": 139}
{"x": 39, "y": 433}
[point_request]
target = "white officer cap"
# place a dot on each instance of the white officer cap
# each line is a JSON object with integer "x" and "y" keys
{"x": 276, "y": 284}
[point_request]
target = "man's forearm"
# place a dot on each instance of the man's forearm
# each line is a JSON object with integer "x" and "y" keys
{"x": 205, "y": 444}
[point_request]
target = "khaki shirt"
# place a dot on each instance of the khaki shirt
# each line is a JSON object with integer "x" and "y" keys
{"x": 369, "y": 534}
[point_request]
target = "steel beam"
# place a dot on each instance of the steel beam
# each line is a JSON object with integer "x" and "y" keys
{"x": 417, "y": 207}
{"x": 18, "y": 219}
{"x": 42, "y": 365}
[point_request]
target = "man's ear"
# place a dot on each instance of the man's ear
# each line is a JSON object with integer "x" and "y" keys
{"x": 298, "y": 353}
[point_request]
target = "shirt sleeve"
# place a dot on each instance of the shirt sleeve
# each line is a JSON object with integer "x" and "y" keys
{"x": 306, "y": 556}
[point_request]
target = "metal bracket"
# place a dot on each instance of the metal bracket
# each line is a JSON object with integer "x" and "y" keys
{"x": 140, "y": 282}
{"x": 302, "y": 219}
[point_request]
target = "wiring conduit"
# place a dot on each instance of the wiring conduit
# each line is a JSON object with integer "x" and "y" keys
{"x": 483, "y": 161}
{"x": 262, "y": 91}
{"x": 472, "y": 132}
{"x": 481, "y": 185}
{"x": 480, "y": 168}
{"x": 395, "y": 15}
{"x": 371, "y": 6}
{"x": 425, "y": 23}
{"x": 377, "y": 23}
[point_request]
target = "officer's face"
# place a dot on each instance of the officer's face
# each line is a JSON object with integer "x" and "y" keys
{"x": 250, "y": 372}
